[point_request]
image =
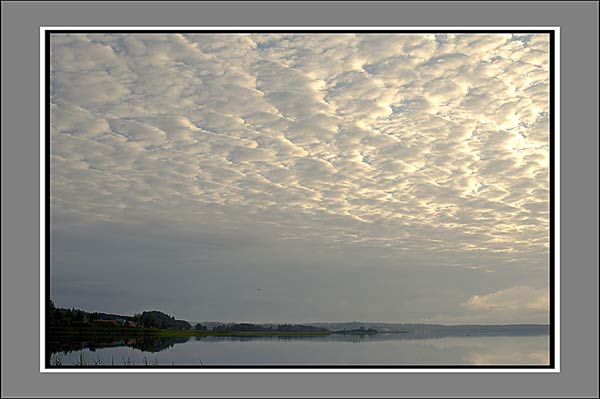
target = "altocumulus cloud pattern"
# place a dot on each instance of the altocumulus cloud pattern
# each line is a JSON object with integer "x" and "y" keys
{"x": 430, "y": 149}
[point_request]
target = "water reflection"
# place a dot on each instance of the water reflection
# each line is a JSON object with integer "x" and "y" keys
{"x": 155, "y": 344}
{"x": 149, "y": 344}
{"x": 377, "y": 349}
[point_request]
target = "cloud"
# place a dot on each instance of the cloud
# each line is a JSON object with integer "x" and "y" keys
{"x": 510, "y": 299}
{"x": 519, "y": 304}
{"x": 425, "y": 147}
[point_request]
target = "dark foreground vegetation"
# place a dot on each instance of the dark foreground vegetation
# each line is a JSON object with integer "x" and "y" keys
{"x": 75, "y": 330}
{"x": 73, "y": 322}
{"x": 151, "y": 331}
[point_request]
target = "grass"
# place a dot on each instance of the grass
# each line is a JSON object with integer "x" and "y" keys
{"x": 57, "y": 361}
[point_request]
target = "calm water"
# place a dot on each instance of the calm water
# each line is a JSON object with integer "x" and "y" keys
{"x": 326, "y": 350}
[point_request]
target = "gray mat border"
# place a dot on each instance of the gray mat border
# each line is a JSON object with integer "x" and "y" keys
{"x": 579, "y": 197}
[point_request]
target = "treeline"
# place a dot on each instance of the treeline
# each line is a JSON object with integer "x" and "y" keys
{"x": 361, "y": 330}
{"x": 247, "y": 327}
{"x": 61, "y": 317}
{"x": 156, "y": 319}
{"x": 291, "y": 328}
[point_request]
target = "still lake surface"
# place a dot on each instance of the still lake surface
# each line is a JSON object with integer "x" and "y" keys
{"x": 377, "y": 349}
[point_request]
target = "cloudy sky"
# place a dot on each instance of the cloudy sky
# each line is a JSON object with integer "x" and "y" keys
{"x": 301, "y": 177}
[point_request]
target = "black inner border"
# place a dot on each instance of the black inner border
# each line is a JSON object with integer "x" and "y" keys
{"x": 552, "y": 118}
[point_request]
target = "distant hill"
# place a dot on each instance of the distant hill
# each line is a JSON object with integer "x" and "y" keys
{"x": 158, "y": 319}
{"x": 432, "y": 330}
{"x": 417, "y": 329}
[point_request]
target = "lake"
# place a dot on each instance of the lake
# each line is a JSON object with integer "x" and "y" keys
{"x": 376, "y": 349}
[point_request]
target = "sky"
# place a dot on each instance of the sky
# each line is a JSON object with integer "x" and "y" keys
{"x": 301, "y": 177}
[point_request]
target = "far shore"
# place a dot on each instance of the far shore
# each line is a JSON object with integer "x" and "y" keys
{"x": 136, "y": 331}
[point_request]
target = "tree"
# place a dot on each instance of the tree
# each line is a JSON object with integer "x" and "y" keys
{"x": 156, "y": 319}
{"x": 78, "y": 315}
